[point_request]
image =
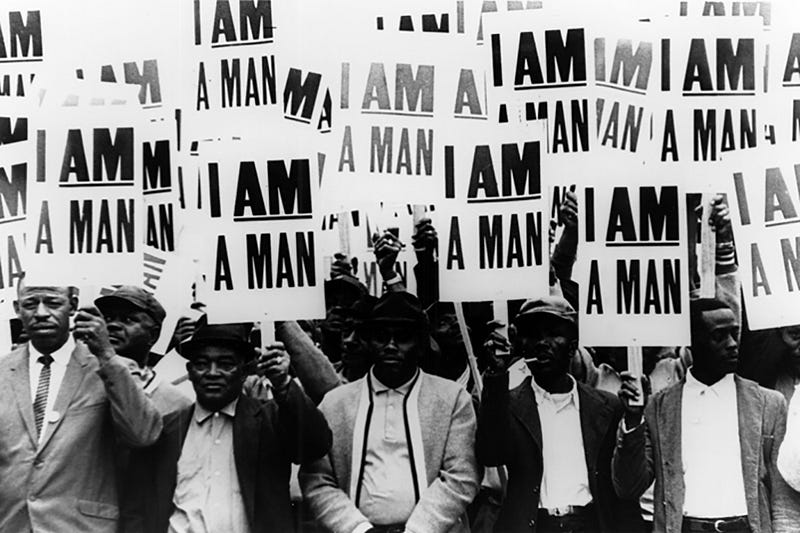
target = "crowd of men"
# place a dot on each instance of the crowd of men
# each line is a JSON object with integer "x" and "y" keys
{"x": 392, "y": 428}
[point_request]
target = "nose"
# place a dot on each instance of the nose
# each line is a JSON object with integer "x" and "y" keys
{"x": 41, "y": 309}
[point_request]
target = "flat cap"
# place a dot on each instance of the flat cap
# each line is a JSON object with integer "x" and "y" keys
{"x": 548, "y": 305}
{"x": 137, "y": 297}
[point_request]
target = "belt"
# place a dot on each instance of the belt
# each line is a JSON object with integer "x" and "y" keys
{"x": 391, "y": 528}
{"x": 567, "y": 510}
{"x": 731, "y": 523}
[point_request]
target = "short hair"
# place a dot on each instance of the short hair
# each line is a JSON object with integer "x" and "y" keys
{"x": 696, "y": 310}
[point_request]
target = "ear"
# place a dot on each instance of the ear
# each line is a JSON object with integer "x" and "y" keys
{"x": 16, "y": 307}
{"x": 73, "y": 303}
{"x": 573, "y": 346}
{"x": 155, "y": 333}
{"x": 512, "y": 334}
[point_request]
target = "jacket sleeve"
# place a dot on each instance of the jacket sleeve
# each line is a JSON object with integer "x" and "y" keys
{"x": 785, "y": 511}
{"x": 493, "y": 441}
{"x": 445, "y": 501}
{"x": 304, "y": 429}
{"x": 312, "y": 367}
{"x": 329, "y": 504}
{"x": 632, "y": 469}
{"x": 136, "y": 420}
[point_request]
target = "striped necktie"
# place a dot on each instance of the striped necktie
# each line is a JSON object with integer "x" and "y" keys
{"x": 40, "y": 403}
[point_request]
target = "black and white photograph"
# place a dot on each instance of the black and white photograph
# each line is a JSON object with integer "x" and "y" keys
{"x": 399, "y": 266}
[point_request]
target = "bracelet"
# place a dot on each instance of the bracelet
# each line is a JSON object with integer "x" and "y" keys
{"x": 394, "y": 280}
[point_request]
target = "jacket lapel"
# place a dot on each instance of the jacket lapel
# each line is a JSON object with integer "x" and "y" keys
{"x": 21, "y": 387}
{"x": 246, "y": 443}
{"x": 750, "y": 411}
{"x": 595, "y": 414}
{"x": 523, "y": 407}
{"x": 73, "y": 377}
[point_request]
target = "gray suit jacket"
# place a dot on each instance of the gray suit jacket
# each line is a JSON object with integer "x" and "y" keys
{"x": 653, "y": 451}
{"x": 447, "y": 420}
{"x": 68, "y": 483}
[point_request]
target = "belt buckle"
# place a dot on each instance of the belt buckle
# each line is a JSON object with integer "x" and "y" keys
{"x": 562, "y": 511}
{"x": 717, "y": 524}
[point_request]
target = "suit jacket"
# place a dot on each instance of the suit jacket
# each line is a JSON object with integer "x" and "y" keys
{"x": 510, "y": 434}
{"x": 447, "y": 424}
{"x": 267, "y": 438}
{"x": 69, "y": 482}
{"x": 653, "y": 451}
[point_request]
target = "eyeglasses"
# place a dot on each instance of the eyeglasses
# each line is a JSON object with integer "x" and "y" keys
{"x": 382, "y": 336}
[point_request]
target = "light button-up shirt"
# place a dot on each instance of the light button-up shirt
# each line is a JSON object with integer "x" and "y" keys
{"x": 207, "y": 495}
{"x": 565, "y": 480}
{"x": 387, "y": 496}
{"x": 711, "y": 450}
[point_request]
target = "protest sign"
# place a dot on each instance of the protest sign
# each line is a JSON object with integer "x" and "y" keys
{"x": 16, "y": 170}
{"x": 229, "y": 75}
{"x": 632, "y": 266}
{"x": 444, "y": 17}
{"x": 493, "y": 221}
{"x": 395, "y": 104}
{"x": 541, "y": 68}
{"x": 624, "y": 79}
{"x": 160, "y": 184}
{"x": 764, "y": 196}
{"x": 85, "y": 201}
{"x": 166, "y": 276}
{"x": 363, "y": 225}
{"x": 711, "y": 89}
{"x": 261, "y": 225}
{"x": 23, "y": 46}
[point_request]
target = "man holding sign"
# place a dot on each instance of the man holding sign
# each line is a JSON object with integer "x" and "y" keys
{"x": 63, "y": 406}
{"x": 553, "y": 434}
{"x": 684, "y": 439}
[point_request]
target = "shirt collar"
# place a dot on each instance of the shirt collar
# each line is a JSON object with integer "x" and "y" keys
{"x": 560, "y": 398}
{"x": 201, "y": 414}
{"x": 724, "y": 386}
{"x": 60, "y": 356}
{"x": 403, "y": 389}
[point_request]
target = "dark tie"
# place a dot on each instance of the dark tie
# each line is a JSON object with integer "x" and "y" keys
{"x": 40, "y": 403}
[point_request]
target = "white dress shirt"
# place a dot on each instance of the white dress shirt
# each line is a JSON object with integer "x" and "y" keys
{"x": 57, "y": 370}
{"x": 789, "y": 454}
{"x": 711, "y": 450}
{"x": 565, "y": 480}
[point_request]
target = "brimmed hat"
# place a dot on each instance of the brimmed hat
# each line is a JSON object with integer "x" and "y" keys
{"x": 137, "y": 297}
{"x": 401, "y": 308}
{"x": 236, "y": 335}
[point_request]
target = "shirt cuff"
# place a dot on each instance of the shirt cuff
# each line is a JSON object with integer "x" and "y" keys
{"x": 395, "y": 279}
{"x": 363, "y": 527}
{"x": 626, "y": 431}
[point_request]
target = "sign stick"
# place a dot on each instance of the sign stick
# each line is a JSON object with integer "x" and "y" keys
{"x": 471, "y": 359}
{"x": 708, "y": 247}
{"x": 636, "y": 366}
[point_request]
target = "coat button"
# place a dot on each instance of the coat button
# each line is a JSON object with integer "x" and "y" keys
{"x": 532, "y": 524}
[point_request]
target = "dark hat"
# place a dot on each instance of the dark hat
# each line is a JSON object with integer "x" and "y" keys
{"x": 344, "y": 287}
{"x": 548, "y": 305}
{"x": 236, "y": 335}
{"x": 398, "y": 308}
{"x": 137, "y": 297}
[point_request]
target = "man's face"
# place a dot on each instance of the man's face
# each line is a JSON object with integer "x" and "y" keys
{"x": 44, "y": 313}
{"x": 546, "y": 343}
{"x": 332, "y": 333}
{"x": 396, "y": 350}
{"x": 132, "y": 332}
{"x": 355, "y": 351}
{"x": 217, "y": 374}
{"x": 718, "y": 352}
{"x": 791, "y": 338}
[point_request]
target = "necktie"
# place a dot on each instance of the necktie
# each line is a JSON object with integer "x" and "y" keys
{"x": 40, "y": 402}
